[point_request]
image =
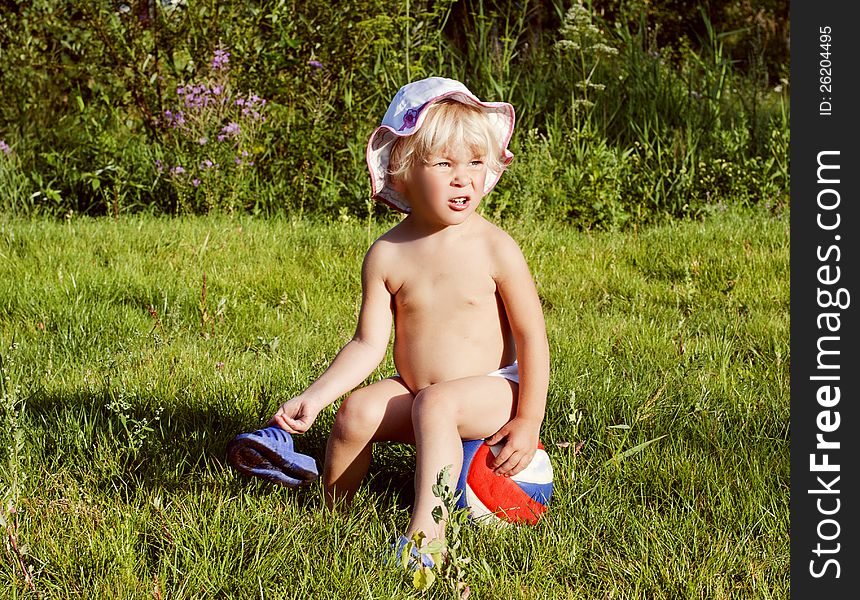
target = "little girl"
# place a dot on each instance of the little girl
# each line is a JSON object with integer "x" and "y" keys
{"x": 470, "y": 344}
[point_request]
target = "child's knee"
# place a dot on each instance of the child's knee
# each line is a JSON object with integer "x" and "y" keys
{"x": 433, "y": 403}
{"x": 358, "y": 417}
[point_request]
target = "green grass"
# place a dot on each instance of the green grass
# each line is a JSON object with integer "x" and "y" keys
{"x": 124, "y": 385}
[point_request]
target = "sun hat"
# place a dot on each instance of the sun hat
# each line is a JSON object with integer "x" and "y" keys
{"x": 405, "y": 115}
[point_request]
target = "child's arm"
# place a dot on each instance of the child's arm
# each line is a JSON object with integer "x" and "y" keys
{"x": 356, "y": 360}
{"x": 522, "y": 305}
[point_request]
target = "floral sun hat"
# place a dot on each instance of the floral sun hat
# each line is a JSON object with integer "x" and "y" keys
{"x": 405, "y": 116}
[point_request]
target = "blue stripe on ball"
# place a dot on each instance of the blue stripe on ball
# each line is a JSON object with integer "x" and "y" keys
{"x": 541, "y": 492}
{"x": 470, "y": 447}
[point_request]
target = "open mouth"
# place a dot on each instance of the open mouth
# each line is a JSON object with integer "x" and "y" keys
{"x": 459, "y": 203}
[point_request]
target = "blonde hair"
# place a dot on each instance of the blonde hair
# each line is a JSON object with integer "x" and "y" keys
{"x": 447, "y": 124}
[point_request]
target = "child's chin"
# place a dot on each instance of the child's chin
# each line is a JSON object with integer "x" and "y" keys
{"x": 457, "y": 217}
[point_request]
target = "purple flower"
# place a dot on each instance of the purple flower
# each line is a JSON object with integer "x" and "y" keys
{"x": 207, "y": 164}
{"x": 315, "y": 64}
{"x": 195, "y": 182}
{"x": 220, "y": 60}
{"x": 232, "y": 129}
{"x": 198, "y": 97}
{"x": 4, "y": 147}
{"x": 202, "y": 141}
{"x": 216, "y": 90}
{"x": 159, "y": 165}
{"x": 174, "y": 119}
{"x": 177, "y": 170}
{"x": 410, "y": 118}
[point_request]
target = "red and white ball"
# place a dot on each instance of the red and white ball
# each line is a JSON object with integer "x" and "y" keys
{"x": 490, "y": 498}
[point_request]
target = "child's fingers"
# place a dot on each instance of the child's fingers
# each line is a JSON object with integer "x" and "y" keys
{"x": 516, "y": 462}
{"x": 504, "y": 470}
{"x": 500, "y": 465}
{"x": 302, "y": 423}
{"x": 287, "y": 424}
{"x": 496, "y": 437}
{"x": 523, "y": 461}
{"x": 276, "y": 418}
{"x": 493, "y": 439}
{"x": 298, "y": 426}
{"x": 278, "y": 421}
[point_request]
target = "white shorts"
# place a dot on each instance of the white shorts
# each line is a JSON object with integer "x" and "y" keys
{"x": 511, "y": 373}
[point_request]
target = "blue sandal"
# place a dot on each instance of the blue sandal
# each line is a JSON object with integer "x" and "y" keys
{"x": 416, "y": 559}
{"x": 268, "y": 453}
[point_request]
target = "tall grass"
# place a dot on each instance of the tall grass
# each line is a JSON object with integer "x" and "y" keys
{"x": 124, "y": 378}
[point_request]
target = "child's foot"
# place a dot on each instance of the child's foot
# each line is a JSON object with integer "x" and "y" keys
{"x": 416, "y": 559}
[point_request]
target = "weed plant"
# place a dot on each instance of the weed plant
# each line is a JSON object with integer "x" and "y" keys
{"x": 210, "y": 141}
{"x": 14, "y": 183}
{"x": 134, "y": 349}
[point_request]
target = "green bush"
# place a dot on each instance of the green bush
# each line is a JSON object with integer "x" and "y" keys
{"x": 611, "y": 129}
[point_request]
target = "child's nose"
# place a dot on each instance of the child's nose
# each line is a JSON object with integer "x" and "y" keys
{"x": 460, "y": 177}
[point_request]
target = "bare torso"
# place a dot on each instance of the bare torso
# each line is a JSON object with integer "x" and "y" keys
{"x": 449, "y": 320}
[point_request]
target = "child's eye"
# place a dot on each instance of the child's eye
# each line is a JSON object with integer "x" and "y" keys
{"x": 476, "y": 163}
{"x": 442, "y": 163}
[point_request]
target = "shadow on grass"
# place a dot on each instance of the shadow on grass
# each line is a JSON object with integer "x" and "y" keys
{"x": 120, "y": 449}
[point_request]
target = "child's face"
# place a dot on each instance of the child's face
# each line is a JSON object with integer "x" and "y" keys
{"x": 448, "y": 186}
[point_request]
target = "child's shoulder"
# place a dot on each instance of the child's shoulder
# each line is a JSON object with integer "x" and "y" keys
{"x": 498, "y": 240}
{"x": 383, "y": 250}
{"x": 388, "y": 241}
{"x": 507, "y": 261}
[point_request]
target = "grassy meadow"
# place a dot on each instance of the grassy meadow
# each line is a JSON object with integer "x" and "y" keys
{"x": 134, "y": 349}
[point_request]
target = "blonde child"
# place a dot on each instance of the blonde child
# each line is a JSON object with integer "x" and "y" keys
{"x": 470, "y": 343}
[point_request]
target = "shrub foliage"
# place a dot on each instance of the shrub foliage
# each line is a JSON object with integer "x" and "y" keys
{"x": 617, "y": 124}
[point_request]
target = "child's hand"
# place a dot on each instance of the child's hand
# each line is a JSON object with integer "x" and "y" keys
{"x": 521, "y": 440}
{"x": 296, "y": 415}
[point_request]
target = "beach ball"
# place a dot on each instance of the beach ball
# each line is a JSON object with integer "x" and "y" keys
{"x": 489, "y": 498}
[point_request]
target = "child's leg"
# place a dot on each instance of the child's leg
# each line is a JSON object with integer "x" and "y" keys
{"x": 380, "y": 411}
{"x": 442, "y": 416}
